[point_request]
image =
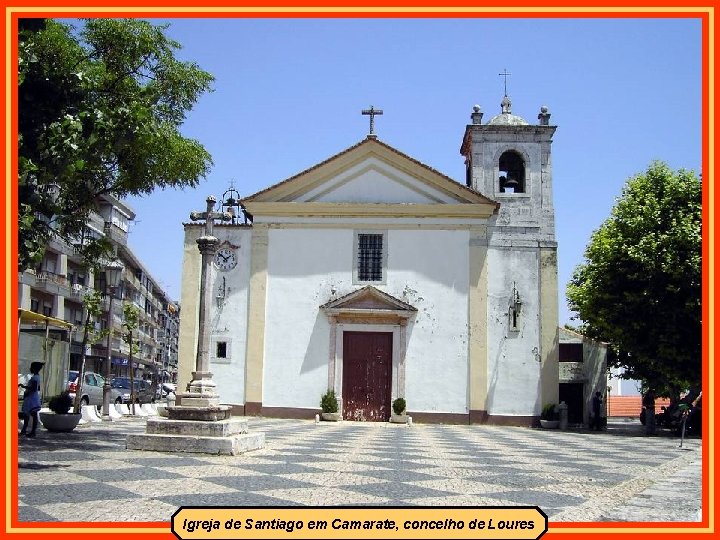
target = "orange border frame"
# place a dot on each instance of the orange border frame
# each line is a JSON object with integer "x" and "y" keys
{"x": 703, "y": 10}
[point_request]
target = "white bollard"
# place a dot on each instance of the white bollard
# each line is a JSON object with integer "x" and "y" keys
{"x": 122, "y": 408}
{"x": 114, "y": 413}
{"x": 139, "y": 411}
{"x": 409, "y": 421}
{"x": 89, "y": 413}
{"x": 148, "y": 409}
{"x": 317, "y": 418}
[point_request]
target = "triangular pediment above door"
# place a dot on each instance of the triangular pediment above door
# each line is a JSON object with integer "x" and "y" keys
{"x": 370, "y": 179}
{"x": 369, "y": 302}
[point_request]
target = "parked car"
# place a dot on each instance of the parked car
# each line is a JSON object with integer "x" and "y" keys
{"x": 144, "y": 392}
{"x": 92, "y": 389}
{"x": 72, "y": 380}
{"x": 164, "y": 389}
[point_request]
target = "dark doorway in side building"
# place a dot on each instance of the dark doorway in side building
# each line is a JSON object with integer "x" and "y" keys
{"x": 367, "y": 376}
{"x": 572, "y": 395}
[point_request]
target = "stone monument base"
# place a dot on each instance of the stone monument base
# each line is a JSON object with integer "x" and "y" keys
{"x": 191, "y": 429}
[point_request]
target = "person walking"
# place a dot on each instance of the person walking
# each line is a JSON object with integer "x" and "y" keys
{"x": 596, "y": 403}
{"x": 32, "y": 401}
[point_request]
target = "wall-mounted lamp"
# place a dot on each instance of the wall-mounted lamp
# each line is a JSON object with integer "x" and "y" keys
{"x": 516, "y": 302}
{"x": 220, "y": 298}
{"x": 515, "y": 308}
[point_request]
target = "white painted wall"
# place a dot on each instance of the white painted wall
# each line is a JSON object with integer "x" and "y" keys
{"x": 429, "y": 270}
{"x": 229, "y": 321}
{"x": 513, "y": 367}
{"x": 303, "y": 264}
{"x": 426, "y": 268}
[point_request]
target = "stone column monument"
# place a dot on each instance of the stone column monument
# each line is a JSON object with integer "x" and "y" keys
{"x": 199, "y": 423}
{"x": 201, "y": 390}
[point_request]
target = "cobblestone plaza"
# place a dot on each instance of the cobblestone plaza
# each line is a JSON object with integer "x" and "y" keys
{"x": 578, "y": 476}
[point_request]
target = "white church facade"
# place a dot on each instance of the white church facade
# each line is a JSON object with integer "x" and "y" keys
{"x": 378, "y": 277}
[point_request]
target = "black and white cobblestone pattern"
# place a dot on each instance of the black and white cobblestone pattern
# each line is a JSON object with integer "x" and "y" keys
{"x": 577, "y": 476}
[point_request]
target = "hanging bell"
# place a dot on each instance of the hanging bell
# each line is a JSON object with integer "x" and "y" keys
{"x": 512, "y": 183}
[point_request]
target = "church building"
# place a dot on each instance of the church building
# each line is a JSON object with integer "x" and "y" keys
{"x": 378, "y": 277}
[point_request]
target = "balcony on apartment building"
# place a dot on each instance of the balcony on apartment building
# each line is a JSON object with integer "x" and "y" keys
{"x": 48, "y": 282}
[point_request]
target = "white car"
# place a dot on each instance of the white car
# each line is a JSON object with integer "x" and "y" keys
{"x": 92, "y": 389}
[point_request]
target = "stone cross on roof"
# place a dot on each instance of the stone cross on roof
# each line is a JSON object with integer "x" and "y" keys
{"x": 372, "y": 111}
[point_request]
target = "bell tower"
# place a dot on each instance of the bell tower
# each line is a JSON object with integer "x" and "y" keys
{"x": 509, "y": 160}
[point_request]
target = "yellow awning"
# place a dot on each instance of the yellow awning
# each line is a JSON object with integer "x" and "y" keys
{"x": 27, "y": 316}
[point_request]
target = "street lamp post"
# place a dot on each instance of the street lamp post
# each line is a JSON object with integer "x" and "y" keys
{"x": 113, "y": 277}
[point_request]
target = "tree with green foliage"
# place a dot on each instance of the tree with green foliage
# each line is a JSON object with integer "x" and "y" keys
{"x": 92, "y": 302}
{"x": 640, "y": 286}
{"x": 131, "y": 318}
{"x": 99, "y": 113}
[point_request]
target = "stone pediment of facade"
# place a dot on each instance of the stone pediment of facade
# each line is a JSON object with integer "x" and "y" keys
{"x": 370, "y": 179}
{"x": 369, "y": 303}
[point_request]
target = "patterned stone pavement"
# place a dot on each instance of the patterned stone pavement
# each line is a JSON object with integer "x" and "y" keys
{"x": 617, "y": 475}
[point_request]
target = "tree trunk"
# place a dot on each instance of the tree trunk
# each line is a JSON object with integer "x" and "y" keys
{"x": 81, "y": 372}
{"x": 649, "y": 403}
{"x": 132, "y": 374}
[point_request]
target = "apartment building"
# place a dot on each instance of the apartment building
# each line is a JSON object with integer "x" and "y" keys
{"x": 57, "y": 286}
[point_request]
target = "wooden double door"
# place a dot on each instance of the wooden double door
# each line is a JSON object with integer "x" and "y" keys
{"x": 367, "y": 376}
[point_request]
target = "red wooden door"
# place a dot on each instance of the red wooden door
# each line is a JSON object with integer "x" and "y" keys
{"x": 367, "y": 375}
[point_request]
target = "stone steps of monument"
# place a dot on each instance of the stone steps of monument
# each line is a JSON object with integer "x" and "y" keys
{"x": 196, "y": 428}
{"x": 230, "y": 445}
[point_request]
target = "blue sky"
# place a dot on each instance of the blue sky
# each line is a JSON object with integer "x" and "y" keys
{"x": 288, "y": 94}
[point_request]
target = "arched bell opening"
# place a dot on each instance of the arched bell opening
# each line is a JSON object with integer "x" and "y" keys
{"x": 512, "y": 172}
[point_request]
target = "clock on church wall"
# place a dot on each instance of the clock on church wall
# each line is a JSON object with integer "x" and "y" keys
{"x": 226, "y": 258}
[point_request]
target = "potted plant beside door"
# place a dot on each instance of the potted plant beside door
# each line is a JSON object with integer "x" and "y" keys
{"x": 329, "y": 405}
{"x": 398, "y": 416}
{"x": 550, "y": 416}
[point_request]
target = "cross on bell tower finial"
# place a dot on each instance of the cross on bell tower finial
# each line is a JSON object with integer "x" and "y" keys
{"x": 372, "y": 111}
{"x": 505, "y": 74}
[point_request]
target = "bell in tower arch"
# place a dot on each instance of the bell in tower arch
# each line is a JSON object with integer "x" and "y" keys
{"x": 512, "y": 172}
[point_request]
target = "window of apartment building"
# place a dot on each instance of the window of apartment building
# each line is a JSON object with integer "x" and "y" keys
{"x": 76, "y": 277}
{"x": 74, "y": 313}
{"x": 34, "y": 305}
{"x": 49, "y": 263}
{"x": 119, "y": 219}
{"x": 370, "y": 257}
